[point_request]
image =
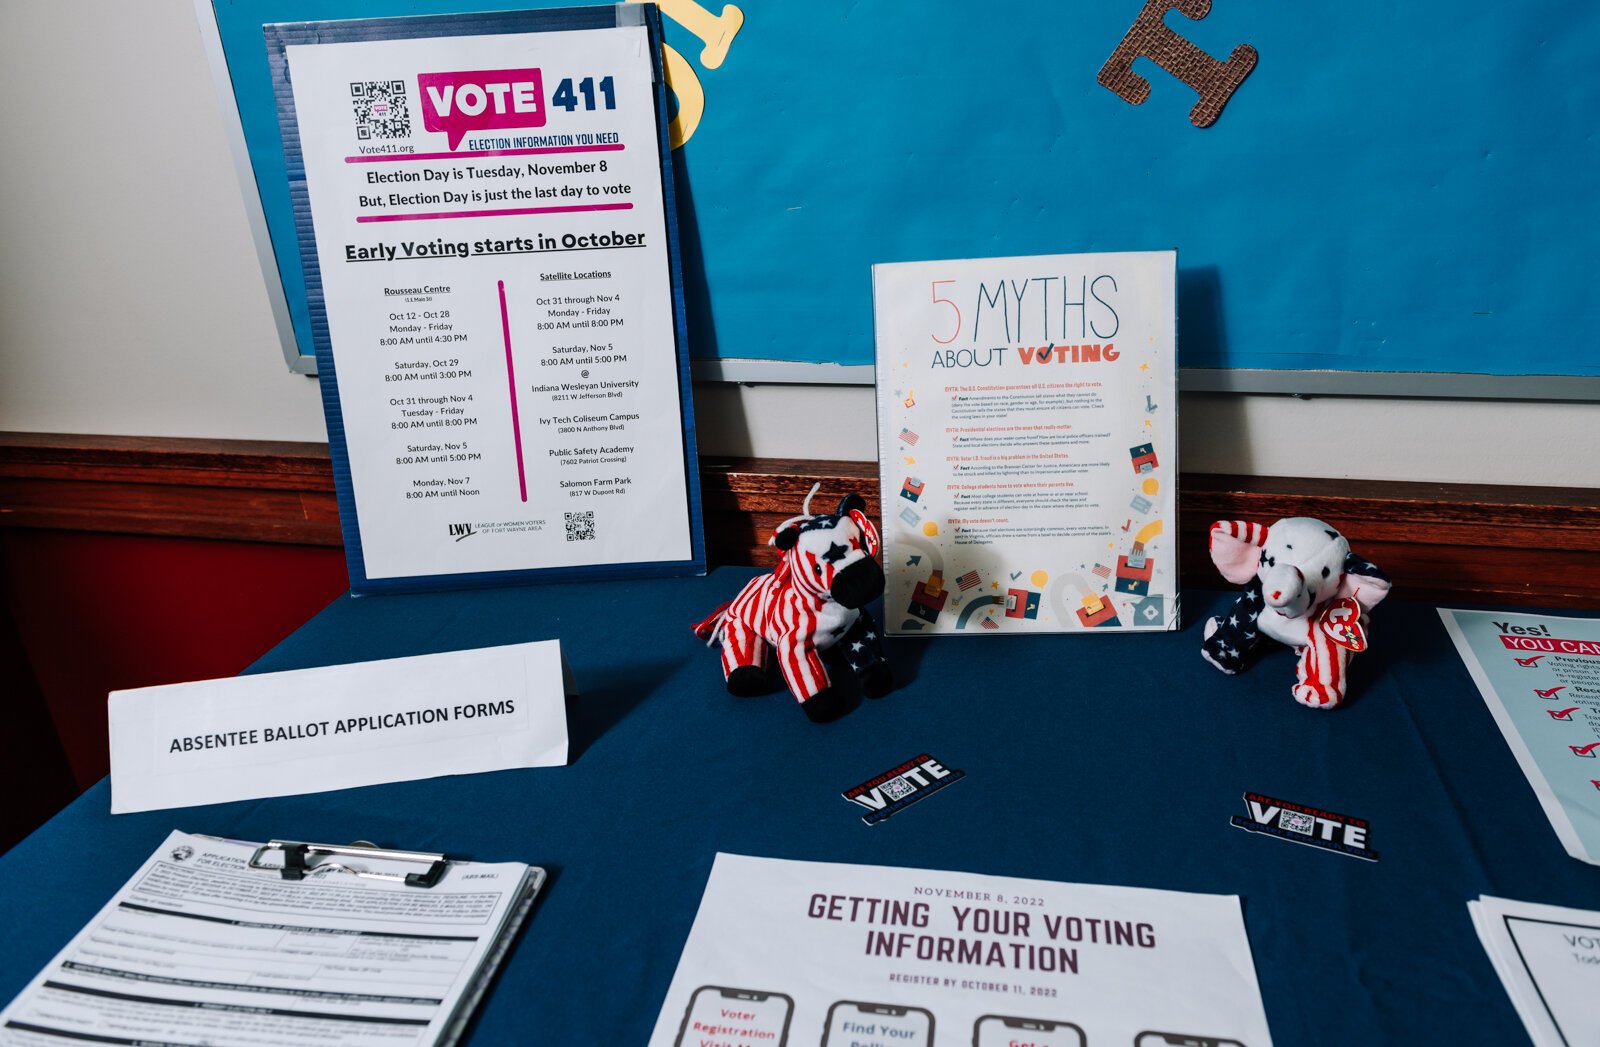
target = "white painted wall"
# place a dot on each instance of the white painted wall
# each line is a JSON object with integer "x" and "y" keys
{"x": 131, "y": 302}
{"x": 1541, "y": 444}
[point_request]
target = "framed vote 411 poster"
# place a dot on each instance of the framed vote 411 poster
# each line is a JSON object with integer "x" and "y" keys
{"x": 486, "y": 224}
{"x": 1027, "y": 422}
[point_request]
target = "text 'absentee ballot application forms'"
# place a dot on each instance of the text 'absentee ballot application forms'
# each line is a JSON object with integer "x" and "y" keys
{"x": 485, "y": 220}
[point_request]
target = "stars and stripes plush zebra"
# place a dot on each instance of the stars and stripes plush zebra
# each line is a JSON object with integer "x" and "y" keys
{"x": 1303, "y": 588}
{"x": 811, "y": 603}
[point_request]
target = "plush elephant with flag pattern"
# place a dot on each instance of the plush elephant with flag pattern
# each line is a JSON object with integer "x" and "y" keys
{"x": 1303, "y": 588}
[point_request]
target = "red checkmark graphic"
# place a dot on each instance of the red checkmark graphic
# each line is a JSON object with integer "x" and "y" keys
{"x": 1584, "y": 750}
{"x": 1527, "y": 663}
{"x": 1562, "y": 714}
{"x": 1551, "y": 692}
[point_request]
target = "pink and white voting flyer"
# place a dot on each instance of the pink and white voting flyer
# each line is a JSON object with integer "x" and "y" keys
{"x": 785, "y": 952}
{"x": 493, "y": 258}
{"x": 1027, "y": 443}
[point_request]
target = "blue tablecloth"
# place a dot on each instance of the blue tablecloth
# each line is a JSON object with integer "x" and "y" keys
{"x": 1113, "y": 759}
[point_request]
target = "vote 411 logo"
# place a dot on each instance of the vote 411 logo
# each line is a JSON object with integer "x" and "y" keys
{"x": 456, "y": 103}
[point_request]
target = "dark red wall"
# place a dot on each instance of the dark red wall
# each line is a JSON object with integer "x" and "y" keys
{"x": 93, "y": 613}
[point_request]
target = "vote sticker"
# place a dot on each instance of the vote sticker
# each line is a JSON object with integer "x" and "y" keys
{"x": 1312, "y": 826}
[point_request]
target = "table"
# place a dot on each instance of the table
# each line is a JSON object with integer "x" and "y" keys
{"x": 1114, "y": 759}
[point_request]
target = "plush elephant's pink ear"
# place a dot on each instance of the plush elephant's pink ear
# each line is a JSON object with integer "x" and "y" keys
{"x": 1363, "y": 582}
{"x": 1236, "y": 548}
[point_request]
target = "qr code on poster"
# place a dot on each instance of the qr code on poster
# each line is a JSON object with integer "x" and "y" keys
{"x": 580, "y": 526}
{"x": 380, "y": 107}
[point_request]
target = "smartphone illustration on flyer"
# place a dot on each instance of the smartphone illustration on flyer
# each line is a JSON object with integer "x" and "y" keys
{"x": 877, "y": 1025}
{"x": 1178, "y": 1039}
{"x": 721, "y": 1017}
{"x": 993, "y": 1030}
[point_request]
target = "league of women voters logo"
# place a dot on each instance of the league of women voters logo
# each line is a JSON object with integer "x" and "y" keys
{"x": 1339, "y": 833}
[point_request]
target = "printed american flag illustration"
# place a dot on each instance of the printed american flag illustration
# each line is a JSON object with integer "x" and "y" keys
{"x": 968, "y": 580}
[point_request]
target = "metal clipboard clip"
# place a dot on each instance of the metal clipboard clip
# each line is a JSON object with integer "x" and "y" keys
{"x": 300, "y": 861}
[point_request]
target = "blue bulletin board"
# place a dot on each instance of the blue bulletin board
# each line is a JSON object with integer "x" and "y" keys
{"x": 1391, "y": 188}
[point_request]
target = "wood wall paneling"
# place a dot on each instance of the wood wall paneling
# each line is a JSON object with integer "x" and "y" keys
{"x": 228, "y": 489}
{"x": 1465, "y": 543}
{"x": 108, "y": 586}
{"x": 1445, "y": 542}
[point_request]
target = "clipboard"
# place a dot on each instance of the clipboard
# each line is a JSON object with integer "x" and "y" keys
{"x": 303, "y": 860}
{"x": 285, "y": 899}
{"x": 299, "y": 856}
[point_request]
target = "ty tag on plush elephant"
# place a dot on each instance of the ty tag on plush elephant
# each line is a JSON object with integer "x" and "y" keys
{"x": 1341, "y": 620}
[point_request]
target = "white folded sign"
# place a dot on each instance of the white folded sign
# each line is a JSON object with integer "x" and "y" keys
{"x": 336, "y": 727}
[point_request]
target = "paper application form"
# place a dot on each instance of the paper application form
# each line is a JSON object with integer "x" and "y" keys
{"x": 199, "y": 948}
